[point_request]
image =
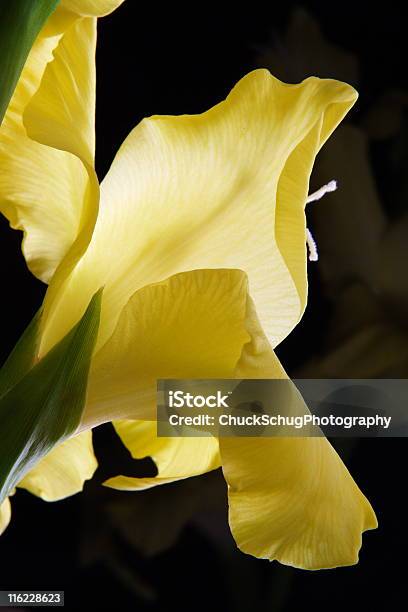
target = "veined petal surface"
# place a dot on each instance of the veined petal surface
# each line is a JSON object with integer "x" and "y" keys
{"x": 188, "y": 326}
{"x": 64, "y": 470}
{"x": 290, "y": 499}
{"x": 47, "y": 191}
{"x": 175, "y": 458}
{"x": 225, "y": 189}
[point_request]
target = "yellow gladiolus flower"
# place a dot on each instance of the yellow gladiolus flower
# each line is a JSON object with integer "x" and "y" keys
{"x": 198, "y": 237}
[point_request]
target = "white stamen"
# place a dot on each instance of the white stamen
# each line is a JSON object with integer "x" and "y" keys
{"x": 317, "y": 195}
{"x": 312, "y": 246}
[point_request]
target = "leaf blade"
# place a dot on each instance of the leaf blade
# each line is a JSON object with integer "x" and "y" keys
{"x": 22, "y": 357}
{"x": 46, "y": 405}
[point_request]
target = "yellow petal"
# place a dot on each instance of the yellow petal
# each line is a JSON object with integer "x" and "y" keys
{"x": 225, "y": 189}
{"x": 175, "y": 458}
{"x": 64, "y": 470}
{"x": 61, "y": 113}
{"x": 44, "y": 191}
{"x": 91, "y": 8}
{"x": 189, "y": 326}
{"x": 5, "y": 515}
{"x": 290, "y": 499}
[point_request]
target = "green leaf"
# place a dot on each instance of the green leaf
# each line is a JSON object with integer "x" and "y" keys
{"x": 46, "y": 405}
{"x": 20, "y": 23}
{"x": 22, "y": 357}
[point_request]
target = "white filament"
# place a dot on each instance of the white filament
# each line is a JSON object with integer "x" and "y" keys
{"x": 317, "y": 195}
{"x": 312, "y": 246}
{"x": 313, "y": 197}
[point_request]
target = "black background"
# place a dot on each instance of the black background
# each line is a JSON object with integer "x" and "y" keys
{"x": 177, "y": 61}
